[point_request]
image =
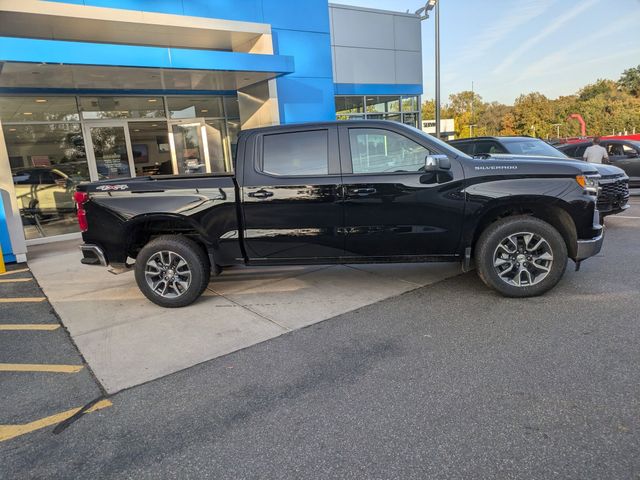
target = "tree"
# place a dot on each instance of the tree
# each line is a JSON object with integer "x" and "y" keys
{"x": 601, "y": 87}
{"x": 429, "y": 110}
{"x": 630, "y": 81}
{"x": 465, "y": 108}
{"x": 534, "y": 115}
{"x": 492, "y": 117}
{"x": 508, "y": 125}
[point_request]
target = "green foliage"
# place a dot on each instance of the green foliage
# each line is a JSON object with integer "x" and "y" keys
{"x": 630, "y": 81}
{"x": 608, "y": 107}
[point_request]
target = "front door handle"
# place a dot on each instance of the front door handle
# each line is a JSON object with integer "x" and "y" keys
{"x": 362, "y": 191}
{"x": 261, "y": 194}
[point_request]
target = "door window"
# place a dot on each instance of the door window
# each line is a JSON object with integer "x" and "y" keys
{"x": 383, "y": 151}
{"x": 629, "y": 151}
{"x": 615, "y": 150}
{"x": 296, "y": 153}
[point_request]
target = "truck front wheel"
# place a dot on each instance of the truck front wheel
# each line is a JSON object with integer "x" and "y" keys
{"x": 172, "y": 271}
{"x": 521, "y": 256}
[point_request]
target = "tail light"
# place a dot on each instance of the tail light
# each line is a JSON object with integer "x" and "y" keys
{"x": 81, "y": 198}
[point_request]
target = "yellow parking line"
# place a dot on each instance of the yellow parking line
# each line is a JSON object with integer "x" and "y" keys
{"x": 15, "y": 280}
{"x": 37, "y": 367}
{"x": 23, "y": 300}
{"x": 20, "y": 270}
{"x": 29, "y": 326}
{"x": 8, "y": 432}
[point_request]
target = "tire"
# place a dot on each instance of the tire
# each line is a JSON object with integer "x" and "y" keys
{"x": 179, "y": 258}
{"x": 500, "y": 262}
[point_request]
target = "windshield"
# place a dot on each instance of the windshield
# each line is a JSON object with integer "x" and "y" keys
{"x": 532, "y": 146}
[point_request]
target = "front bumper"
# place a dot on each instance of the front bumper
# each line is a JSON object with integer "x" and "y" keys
{"x": 589, "y": 248}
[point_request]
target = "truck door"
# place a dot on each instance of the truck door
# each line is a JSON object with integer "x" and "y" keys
{"x": 629, "y": 161}
{"x": 292, "y": 196}
{"x": 392, "y": 206}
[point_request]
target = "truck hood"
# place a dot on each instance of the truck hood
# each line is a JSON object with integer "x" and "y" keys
{"x": 521, "y": 164}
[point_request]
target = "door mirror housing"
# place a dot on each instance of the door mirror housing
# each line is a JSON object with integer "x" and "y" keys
{"x": 437, "y": 163}
{"x": 634, "y": 154}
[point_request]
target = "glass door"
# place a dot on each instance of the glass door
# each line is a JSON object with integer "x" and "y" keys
{"x": 109, "y": 150}
{"x": 197, "y": 146}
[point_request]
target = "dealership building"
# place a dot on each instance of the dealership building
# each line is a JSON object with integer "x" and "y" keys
{"x": 98, "y": 89}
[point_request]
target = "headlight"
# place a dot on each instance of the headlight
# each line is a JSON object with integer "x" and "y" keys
{"x": 590, "y": 184}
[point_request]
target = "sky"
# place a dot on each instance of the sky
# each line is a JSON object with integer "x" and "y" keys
{"x": 510, "y": 47}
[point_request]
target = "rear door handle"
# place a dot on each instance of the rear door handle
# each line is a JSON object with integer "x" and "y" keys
{"x": 362, "y": 191}
{"x": 261, "y": 194}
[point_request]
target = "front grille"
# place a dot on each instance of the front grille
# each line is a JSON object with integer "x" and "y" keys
{"x": 613, "y": 194}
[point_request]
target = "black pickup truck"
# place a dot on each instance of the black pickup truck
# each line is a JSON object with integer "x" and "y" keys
{"x": 345, "y": 192}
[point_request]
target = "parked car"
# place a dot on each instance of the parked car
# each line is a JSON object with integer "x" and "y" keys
{"x": 614, "y": 182}
{"x": 624, "y": 154}
{"x": 346, "y": 192}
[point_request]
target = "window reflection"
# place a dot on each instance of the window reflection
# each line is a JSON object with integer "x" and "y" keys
{"x": 47, "y": 162}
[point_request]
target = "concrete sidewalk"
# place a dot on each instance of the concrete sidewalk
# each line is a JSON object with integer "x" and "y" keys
{"x": 127, "y": 340}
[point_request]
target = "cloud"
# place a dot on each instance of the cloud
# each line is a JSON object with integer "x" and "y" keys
{"x": 566, "y": 57}
{"x": 492, "y": 35}
{"x": 532, "y": 42}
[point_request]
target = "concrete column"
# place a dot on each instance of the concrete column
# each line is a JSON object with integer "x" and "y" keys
{"x": 258, "y": 105}
{"x": 11, "y": 210}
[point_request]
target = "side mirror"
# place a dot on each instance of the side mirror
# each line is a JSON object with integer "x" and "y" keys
{"x": 633, "y": 155}
{"x": 435, "y": 163}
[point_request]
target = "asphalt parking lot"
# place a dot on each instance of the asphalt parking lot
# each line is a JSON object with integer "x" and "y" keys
{"x": 445, "y": 381}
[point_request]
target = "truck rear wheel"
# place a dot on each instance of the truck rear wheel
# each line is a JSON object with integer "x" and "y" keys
{"x": 172, "y": 271}
{"x": 521, "y": 256}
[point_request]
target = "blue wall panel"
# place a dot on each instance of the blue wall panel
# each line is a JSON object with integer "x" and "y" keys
{"x": 242, "y": 10}
{"x": 311, "y": 50}
{"x": 81, "y": 53}
{"x": 378, "y": 89}
{"x": 158, "y": 6}
{"x": 306, "y": 99}
{"x": 306, "y": 15}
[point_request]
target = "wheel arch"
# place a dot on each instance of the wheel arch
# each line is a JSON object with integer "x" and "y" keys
{"x": 143, "y": 228}
{"x": 554, "y": 212}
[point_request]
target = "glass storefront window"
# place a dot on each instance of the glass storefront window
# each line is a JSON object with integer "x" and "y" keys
{"x": 379, "y": 108}
{"x": 47, "y": 162}
{"x": 150, "y": 148}
{"x": 381, "y": 104}
{"x": 410, "y": 119}
{"x": 346, "y": 105}
{"x": 410, "y": 104}
{"x": 231, "y": 107}
{"x": 192, "y": 107}
{"x": 38, "y": 109}
{"x": 100, "y": 108}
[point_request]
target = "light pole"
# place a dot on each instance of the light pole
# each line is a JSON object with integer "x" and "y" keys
{"x": 423, "y": 13}
{"x": 557, "y": 125}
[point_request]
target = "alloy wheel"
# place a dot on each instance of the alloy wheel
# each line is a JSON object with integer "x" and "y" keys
{"x": 523, "y": 259}
{"x": 167, "y": 274}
